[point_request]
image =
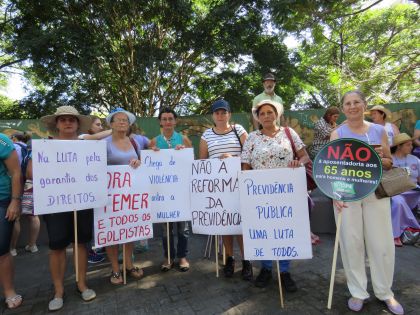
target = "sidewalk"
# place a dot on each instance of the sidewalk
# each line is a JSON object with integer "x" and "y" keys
{"x": 198, "y": 291}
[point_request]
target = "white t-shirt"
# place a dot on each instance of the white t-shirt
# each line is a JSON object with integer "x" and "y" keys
{"x": 218, "y": 144}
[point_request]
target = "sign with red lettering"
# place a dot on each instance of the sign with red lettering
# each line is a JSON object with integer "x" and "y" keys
{"x": 168, "y": 174}
{"x": 347, "y": 169}
{"x": 68, "y": 175}
{"x": 215, "y": 208}
{"x": 126, "y": 217}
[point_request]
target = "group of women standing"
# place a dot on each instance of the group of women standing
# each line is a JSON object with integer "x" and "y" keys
{"x": 366, "y": 227}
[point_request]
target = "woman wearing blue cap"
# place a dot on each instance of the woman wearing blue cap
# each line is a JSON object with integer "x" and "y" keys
{"x": 223, "y": 141}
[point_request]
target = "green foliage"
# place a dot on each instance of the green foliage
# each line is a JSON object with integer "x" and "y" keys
{"x": 346, "y": 47}
{"x": 144, "y": 54}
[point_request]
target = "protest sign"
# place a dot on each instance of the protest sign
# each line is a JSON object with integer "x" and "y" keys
{"x": 275, "y": 217}
{"x": 126, "y": 217}
{"x": 215, "y": 196}
{"x": 347, "y": 169}
{"x": 68, "y": 175}
{"x": 168, "y": 174}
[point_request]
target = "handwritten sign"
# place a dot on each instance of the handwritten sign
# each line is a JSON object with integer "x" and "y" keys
{"x": 275, "y": 218}
{"x": 68, "y": 175}
{"x": 347, "y": 169}
{"x": 215, "y": 196}
{"x": 126, "y": 217}
{"x": 168, "y": 174}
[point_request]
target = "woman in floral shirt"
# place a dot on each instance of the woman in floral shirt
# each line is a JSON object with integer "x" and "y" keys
{"x": 268, "y": 148}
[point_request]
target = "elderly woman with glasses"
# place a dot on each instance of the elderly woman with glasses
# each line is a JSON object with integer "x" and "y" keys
{"x": 122, "y": 151}
{"x": 366, "y": 224}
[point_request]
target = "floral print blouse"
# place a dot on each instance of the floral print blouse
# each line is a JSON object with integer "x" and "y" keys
{"x": 261, "y": 151}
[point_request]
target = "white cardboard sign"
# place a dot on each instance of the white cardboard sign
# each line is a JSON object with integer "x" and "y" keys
{"x": 68, "y": 175}
{"x": 275, "y": 218}
{"x": 168, "y": 174}
{"x": 215, "y": 207}
{"x": 127, "y": 216}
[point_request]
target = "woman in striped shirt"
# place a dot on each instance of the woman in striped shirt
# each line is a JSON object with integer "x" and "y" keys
{"x": 223, "y": 141}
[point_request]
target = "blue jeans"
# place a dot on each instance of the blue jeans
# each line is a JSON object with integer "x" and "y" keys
{"x": 183, "y": 232}
{"x": 268, "y": 264}
{"x": 6, "y": 228}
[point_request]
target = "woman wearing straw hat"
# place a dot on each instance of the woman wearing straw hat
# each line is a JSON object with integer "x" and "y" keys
{"x": 382, "y": 116}
{"x": 65, "y": 124}
{"x": 122, "y": 151}
{"x": 366, "y": 227}
{"x": 259, "y": 151}
{"x": 403, "y": 204}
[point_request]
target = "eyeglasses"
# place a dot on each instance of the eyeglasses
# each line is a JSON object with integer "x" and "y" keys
{"x": 120, "y": 120}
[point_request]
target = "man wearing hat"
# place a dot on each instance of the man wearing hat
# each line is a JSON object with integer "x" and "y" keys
{"x": 269, "y": 83}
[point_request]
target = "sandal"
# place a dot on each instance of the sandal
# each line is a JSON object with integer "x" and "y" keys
{"x": 135, "y": 272}
{"x": 14, "y": 301}
{"x": 116, "y": 278}
{"x": 165, "y": 266}
{"x": 184, "y": 267}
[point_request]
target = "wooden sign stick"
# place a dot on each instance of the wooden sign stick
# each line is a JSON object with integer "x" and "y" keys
{"x": 168, "y": 241}
{"x": 280, "y": 289}
{"x": 337, "y": 238}
{"x": 76, "y": 250}
{"x": 216, "y": 251}
{"x": 124, "y": 264}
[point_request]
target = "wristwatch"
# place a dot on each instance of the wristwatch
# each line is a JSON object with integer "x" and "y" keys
{"x": 17, "y": 197}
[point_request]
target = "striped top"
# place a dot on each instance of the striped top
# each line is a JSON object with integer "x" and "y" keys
{"x": 218, "y": 144}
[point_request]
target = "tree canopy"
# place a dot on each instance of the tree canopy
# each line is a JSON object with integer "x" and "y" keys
{"x": 184, "y": 54}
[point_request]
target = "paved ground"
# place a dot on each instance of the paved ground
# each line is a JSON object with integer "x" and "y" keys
{"x": 200, "y": 292}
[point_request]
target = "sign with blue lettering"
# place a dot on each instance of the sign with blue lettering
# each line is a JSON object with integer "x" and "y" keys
{"x": 68, "y": 175}
{"x": 168, "y": 174}
{"x": 215, "y": 196}
{"x": 126, "y": 217}
{"x": 347, "y": 169}
{"x": 275, "y": 215}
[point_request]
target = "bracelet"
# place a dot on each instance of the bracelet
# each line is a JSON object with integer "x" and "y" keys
{"x": 17, "y": 197}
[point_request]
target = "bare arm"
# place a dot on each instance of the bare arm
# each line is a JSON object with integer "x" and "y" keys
{"x": 246, "y": 167}
{"x": 187, "y": 142}
{"x": 416, "y": 137}
{"x": 203, "y": 152}
{"x": 395, "y": 129}
{"x": 98, "y": 136}
{"x": 13, "y": 168}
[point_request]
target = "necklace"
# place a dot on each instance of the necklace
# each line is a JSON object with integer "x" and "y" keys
{"x": 168, "y": 140}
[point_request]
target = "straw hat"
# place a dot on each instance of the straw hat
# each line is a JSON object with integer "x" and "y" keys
{"x": 131, "y": 117}
{"x": 401, "y": 138}
{"x": 386, "y": 111}
{"x": 50, "y": 121}
{"x": 279, "y": 108}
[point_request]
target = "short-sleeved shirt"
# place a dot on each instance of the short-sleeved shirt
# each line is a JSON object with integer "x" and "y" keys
{"x": 6, "y": 149}
{"x": 171, "y": 143}
{"x": 229, "y": 142}
{"x": 417, "y": 126}
{"x": 411, "y": 162}
{"x": 117, "y": 156}
{"x": 262, "y": 152}
{"x": 264, "y": 96}
{"x": 372, "y": 136}
{"x": 142, "y": 141}
{"x": 321, "y": 135}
